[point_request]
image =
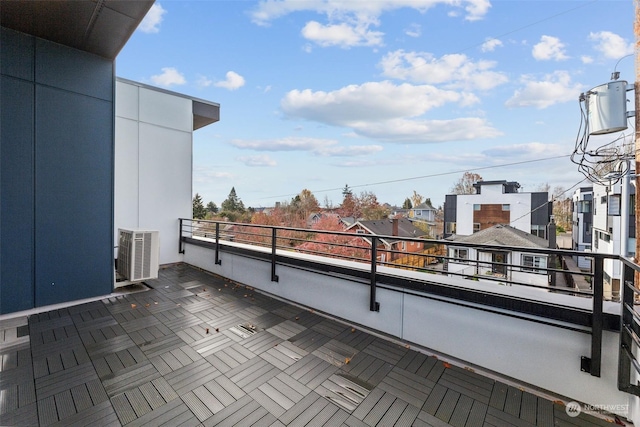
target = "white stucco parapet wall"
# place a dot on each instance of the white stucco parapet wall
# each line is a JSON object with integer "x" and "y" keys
{"x": 153, "y": 162}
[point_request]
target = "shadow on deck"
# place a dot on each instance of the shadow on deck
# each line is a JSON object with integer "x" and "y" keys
{"x": 198, "y": 350}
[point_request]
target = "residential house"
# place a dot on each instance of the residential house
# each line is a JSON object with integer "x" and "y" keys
{"x": 425, "y": 214}
{"x": 391, "y": 247}
{"x": 497, "y": 202}
{"x": 517, "y": 265}
{"x": 582, "y": 224}
{"x": 613, "y": 210}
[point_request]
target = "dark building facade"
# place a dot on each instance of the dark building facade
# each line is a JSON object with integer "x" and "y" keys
{"x": 57, "y": 150}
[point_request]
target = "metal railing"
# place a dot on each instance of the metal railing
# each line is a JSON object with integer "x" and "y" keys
{"x": 380, "y": 261}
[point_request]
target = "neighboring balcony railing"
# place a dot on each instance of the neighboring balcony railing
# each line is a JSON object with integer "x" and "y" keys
{"x": 384, "y": 260}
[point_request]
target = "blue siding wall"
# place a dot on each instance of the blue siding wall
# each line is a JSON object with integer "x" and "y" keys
{"x": 56, "y": 188}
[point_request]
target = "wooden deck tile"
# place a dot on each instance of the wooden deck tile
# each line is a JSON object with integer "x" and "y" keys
{"x": 191, "y": 376}
{"x": 408, "y": 387}
{"x": 98, "y": 415}
{"x": 385, "y": 350}
{"x": 286, "y": 329}
{"x": 252, "y": 374}
{"x": 151, "y": 353}
{"x": 448, "y": 405}
{"x": 368, "y": 368}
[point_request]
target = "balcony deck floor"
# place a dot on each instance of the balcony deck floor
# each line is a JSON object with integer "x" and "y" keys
{"x": 198, "y": 350}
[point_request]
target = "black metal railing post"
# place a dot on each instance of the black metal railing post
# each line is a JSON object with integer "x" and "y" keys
{"x": 274, "y": 276}
{"x": 180, "y": 246}
{"x": 218, "y": 260}
{"x": 597, "y": 318}
{"x": 373, "y": 304}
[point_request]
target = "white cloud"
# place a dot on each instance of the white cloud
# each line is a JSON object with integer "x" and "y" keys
{"x": 206, "y": 175}
{"x": 490, "y": 45}
{"x": 367, "y": 102}
{"x": 349, "y": 151}
{"x": 611, "y": 45}
{"x": 284, "y": 144}
{"x": 317, "y": 146}
{"x": 586, "y": 59}
{"x": 414, "y": 30}
{"x": 153, "y": 19}
{"x": 554, "y": 89}
{"x": 426, "y": 131}
{"x": 258, "y": 160}
{"x": 454, "y": 70}
{"x": 169, "y": 77}
{"x": 203, "y": 81}
{"x": 342, "y": 35}
{"x": 549, "y": 48}
{"x": 526, "y": 151}
{"x": 233, "y": 81}
{"x": 386, "y": 111}
{"x": 348, "y": 22}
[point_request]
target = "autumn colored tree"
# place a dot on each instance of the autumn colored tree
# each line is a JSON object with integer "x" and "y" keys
{"x": 370, "y": 207}
{"x": 416, "y": 199}
{"x": 304, "y": 204}
{"x": 338, "y": 246}
{"x": 465, "y": 184}
{"x": 349, "y": 206}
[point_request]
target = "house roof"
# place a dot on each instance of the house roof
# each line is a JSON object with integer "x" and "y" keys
{"x": 100, "y": 27}
{"x": 384, "y": 227}
{"x": 503, "y": 235}
{"x": 424, "y": 206}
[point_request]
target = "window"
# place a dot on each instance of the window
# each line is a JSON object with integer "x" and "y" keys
{"x": 632, "y": 204}
{"x": 450, "y": 228}
{"x": 506, "y": 207}
{"x": 584, "y": 206}
{"x": 476, "y": 227}
{"x": 539, "y": 230}
{"x": 404, "y": 246}
{"x": 603, "y": 200}
{"x": 459, "y": 255}
{"x": 533, "y": 263}
{"x": 476, "y": 207}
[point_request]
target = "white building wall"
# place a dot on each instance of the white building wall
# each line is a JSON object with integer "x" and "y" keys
{"x": 520, "y": 208}
{"x": 153, "y": 163}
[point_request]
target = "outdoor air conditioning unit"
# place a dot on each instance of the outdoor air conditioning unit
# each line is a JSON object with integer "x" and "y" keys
{"x": 138, "y": 253}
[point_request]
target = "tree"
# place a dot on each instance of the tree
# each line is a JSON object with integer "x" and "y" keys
{"x": 304, "y": 204}
{"x": 199, "y": 212}
{"x": 370, "y": 207}
{"x": 465, "y": 184}
{"x": 232, "y": 203}
{"x": 407, "y": 204}
{"x": 346, "y": 190}
{"x": 212, "y": 207}
{"x": 416, "y": 199}
{"x": 349, "y": 206}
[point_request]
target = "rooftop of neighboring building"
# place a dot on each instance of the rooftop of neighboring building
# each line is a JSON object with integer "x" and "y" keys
{"x": 502, "y": 234}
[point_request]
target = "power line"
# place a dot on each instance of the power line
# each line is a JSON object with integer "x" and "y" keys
{"x": 428, "y": 176}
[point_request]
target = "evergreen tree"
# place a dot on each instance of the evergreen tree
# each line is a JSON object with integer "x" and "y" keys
{"x": 407, "y": 204}
{"x": 232, "y": 203}
{"x": 199, "y": 211}
{"x": 212, "y": 207}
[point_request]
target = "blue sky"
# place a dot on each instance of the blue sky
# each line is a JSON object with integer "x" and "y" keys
{"x": 387, "y": 96}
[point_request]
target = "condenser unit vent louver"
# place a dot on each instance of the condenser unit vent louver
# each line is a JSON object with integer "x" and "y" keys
{"x": 138, "y": 253}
